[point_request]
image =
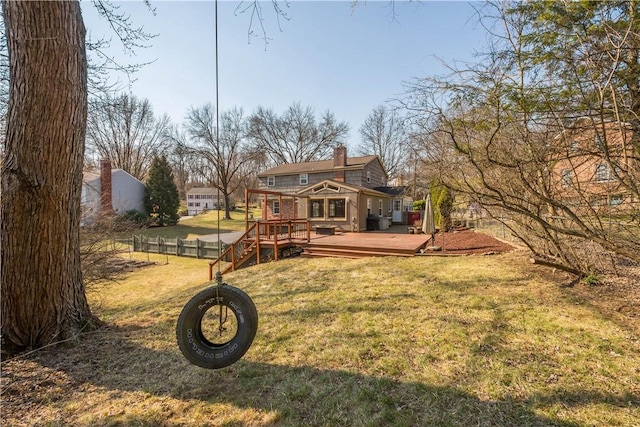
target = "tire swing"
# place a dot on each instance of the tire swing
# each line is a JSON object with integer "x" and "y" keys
{"x": 217, "y": 326}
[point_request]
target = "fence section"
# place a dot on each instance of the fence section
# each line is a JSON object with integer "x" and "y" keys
{"x": 194, "y": 248}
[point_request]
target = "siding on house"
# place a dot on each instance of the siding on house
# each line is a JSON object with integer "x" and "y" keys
{"x": 364, "y": 171}
{"x": 340, "y": 192}
{"x": 127, "y": 193}
{"x": 200, "y": 199}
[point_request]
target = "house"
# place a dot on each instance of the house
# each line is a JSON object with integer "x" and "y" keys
{"x": 200, "y": 199}
{"x": 350, "y": 194}
{"x": 591, "y": 163}
{"x": 110, "y": 191}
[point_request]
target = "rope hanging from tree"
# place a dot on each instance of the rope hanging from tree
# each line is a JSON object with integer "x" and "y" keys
{"x": 217, "y": 326}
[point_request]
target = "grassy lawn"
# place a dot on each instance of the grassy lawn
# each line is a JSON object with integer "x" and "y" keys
{"x": 423, "y": 341}
{"x": 202, "y": 224}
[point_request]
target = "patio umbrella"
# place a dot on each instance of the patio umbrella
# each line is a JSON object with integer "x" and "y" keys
{"x": 428, "y": 223}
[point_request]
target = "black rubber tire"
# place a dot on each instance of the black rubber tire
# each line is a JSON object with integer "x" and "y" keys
{"x": 192, "y": 341}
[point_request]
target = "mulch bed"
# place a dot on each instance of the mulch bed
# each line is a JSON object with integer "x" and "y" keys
{"x": 467, "y": 242}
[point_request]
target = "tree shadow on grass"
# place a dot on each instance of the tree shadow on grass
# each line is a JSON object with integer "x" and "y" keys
{"x": 118, "y": 361}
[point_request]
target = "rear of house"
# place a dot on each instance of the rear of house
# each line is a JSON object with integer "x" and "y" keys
{"x": 350, "y": 194}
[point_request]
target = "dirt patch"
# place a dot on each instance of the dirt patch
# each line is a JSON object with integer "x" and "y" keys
{"x": 468, "y": 242}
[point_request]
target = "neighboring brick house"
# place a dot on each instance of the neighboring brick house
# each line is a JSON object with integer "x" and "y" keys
{"x": 200, "y": 199}
{"x": 581, "y": 174}
{"x": 345, "y": 192}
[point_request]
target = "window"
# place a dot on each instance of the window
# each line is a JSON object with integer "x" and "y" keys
{"x": 271, "y": 181}
{"x": 567, "y": 177}
{"x": 276, "y": 207}
{"x": 368, "y": 176}
{"x": 615, "y": 200}
{"x": 190, "y": 196}
{"x": 316, "y": 208}
{"x": 603, "y": 173}
{"x": 337, "y": 208}
{"x": 574, "y": 146}
{"x": 380, "y": 207}
{"x": 599, "y": 141}
{"x": 304, "y": 178}
{"x": 397, "y": 205}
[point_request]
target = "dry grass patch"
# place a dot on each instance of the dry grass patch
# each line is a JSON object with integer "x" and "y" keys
{"x": 369, "y": 342}
{"x": 206, "y": 223}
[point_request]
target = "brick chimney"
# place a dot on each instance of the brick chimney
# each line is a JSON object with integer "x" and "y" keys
{"x": 105, "y": 186}
{"x": 339, "y": 162}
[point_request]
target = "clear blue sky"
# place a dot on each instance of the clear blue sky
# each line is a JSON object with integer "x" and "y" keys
{"x": 328, "y": 54}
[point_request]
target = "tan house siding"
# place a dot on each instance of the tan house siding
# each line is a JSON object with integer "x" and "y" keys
{"x": 291, "y": 183}
{"x": 340, "y": 192}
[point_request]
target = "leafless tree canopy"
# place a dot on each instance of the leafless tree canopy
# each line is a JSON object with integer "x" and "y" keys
{"x": 124, "y": 129}
{"x": 181, "y": 158}
{"x": 384, "y": 133}
{"x": 295, "y": 136}
{"x": 224, "y": 153}
{"x": 100, "y": 64}
{"x": 543, "y": 130}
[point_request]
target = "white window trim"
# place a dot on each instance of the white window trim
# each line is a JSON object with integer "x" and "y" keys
{"x": 304, "y": 179}
{"x": 603, "y": 173}
{"x": 271, "y": 181}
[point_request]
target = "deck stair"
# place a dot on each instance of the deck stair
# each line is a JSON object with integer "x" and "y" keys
{"x": 360, "y": 245}
{"x": 320, "y": 250}
{"x": 262, "y": 240}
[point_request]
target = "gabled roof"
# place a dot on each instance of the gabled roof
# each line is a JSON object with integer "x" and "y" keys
{"x": 90, "y": 176}
{"x": 319, "y": 166}
{"x": 203, "y": 190}
{"x": 394, "y": 191}
{"x": 351, "y": 187}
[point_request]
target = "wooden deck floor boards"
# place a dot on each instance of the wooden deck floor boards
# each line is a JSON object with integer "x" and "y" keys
{"x": 372, "y": 240}
{"x": 366, "y": 244}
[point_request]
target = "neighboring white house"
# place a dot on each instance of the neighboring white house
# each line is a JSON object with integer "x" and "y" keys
{"x": 122, "y": 192}
{"x": 200, "y": 199}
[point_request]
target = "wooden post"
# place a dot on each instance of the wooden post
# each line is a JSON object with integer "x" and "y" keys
{"x": 246, "y": 209}
{"x": 233, "y": 257}
{"x": 258, "y": 244}
{"x": 275, "y": 246}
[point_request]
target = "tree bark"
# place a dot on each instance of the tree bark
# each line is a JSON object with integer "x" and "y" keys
{"x": 43, "y": 296}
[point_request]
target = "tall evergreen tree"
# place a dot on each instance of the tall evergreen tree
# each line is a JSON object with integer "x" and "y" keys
{"x": 161, "y": 199}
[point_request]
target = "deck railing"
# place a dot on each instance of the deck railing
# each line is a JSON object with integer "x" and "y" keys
{"x": 272, "y": 232}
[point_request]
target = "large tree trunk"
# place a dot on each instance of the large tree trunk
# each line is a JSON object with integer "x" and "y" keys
{"x": 43, "y": 298}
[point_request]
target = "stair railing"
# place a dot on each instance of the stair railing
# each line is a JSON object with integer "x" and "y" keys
{"x": 274, "y": 231}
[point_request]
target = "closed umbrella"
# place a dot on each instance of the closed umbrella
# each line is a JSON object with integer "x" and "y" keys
{"x": 428, "y": 223}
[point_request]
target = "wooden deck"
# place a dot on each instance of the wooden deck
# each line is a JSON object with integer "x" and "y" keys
{"x": 275, "y": 239}
{"x": 363, "y": 244}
